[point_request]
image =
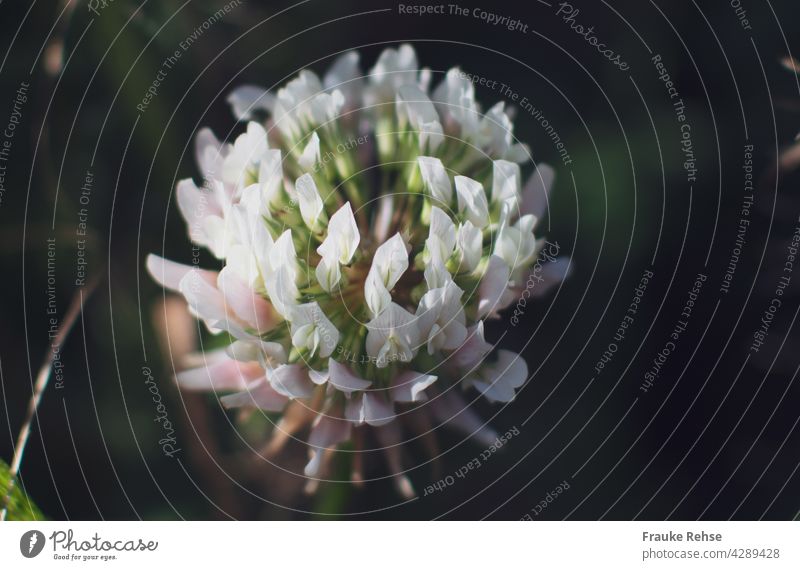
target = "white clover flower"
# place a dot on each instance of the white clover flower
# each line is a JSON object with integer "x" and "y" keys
{"x": 366, "y": 230}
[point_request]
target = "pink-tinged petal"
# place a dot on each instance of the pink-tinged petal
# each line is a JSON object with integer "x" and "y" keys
{"x": 377, "y": 411}
{"x": 493, "y": 284}
{"x": 326, "y": 433}
{"x": 250, "y": 307}
{"x": 209, "y": 153}
{"x": 473, "y": 350}
{"x": 409, "y": 386}
{"x": 390, "y": 439}
{"x": 254, "y": 349}
{"x": 167, "y": 273}
{"x": 220, "y": 375}
{"x": 204, "y": 299}
{"x": 258, "y": 395}
{"x": 550, "y": 275}
{"x": 370, "y": 408}
{"x": 318, "y": 377}
{"x": 195, "y": 204}
{"x": 344, "y": 379}
{"x": 451, "y": 410}
{"x": 291, "y": 380}
{"x": 536, "y": 192}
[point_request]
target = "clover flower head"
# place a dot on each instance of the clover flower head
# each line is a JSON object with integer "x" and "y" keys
{"x": 366, "y": 227}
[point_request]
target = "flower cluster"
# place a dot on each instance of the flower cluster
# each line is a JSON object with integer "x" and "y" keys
{"x": 367, "y": 226}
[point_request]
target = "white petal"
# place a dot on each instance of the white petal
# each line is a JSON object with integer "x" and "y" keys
{"x": 261, "y": 395}
{"x": 251, "y": 308}
{"x": 324, "y": 107}
{"x": 370, "y": 408}
{"x": 393, "y": 336}
{"x": 257, "y": 350}
{"x": 311, "y": 153}
{"x": 443, "y": 228}
{"x": 377, "y": 411}
{"x": 220, "y": 374}
{"x": 204, "y": 299}
{"x": 499, "y": 380}
{"x": 455, "y": 97}
{"x": 247, "y": 99}
{"x": 311, "y": 315}
{"x": 414, "y": 107}
{"x": 469, "y": 244}
{"x": 496, "y": 130}
{"x": 493, "y": 284}
{"x": 395, "y": 67}
{"x": 283, "y": 254}
{"x": 506, "y": 183}
{"x": 270, "y": 176}
{"x": 376, "y": 294}
{"x": 537, "y": 190}
{"x": 310, "y": 200}
{"x": 473, "y": 350}
{"x": 196, "y": 205}
{"x": 328, "y": 274}
{"x": 291, "y": 380}
{"x": 282, "y": 291}
{"x": 241, "y": 163}
{"x": 391, "y": 260}
{"x": 167, "y": 273}
{"x": 435, "y": 178}
{"x": 210, "y": 153}
{"x": 436, "y": 274}
{"x": 345, "y": 74}
{"x": 472, "y": 201}
{"x": 343, "y": 236}
{"x": 516, "y": 244}
{"x": 409, "y": 386}
{"x": 441, "y": 319}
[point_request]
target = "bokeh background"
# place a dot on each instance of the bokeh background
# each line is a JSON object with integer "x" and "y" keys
{"x": 714, "y": 438}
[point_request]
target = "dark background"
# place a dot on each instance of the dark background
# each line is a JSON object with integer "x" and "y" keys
{"x": 714, "y": 438}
